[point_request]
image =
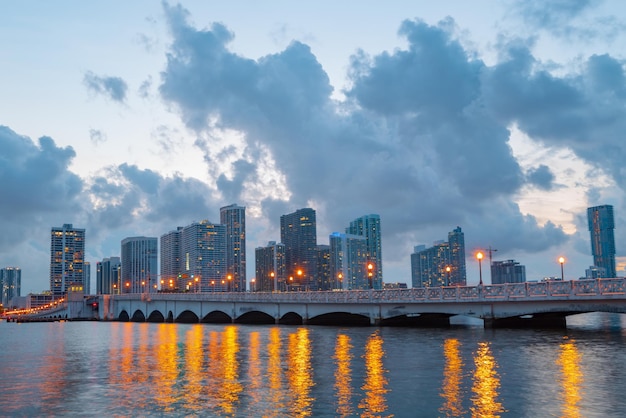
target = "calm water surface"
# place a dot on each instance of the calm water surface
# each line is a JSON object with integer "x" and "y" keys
{"x": 132, "y": 369}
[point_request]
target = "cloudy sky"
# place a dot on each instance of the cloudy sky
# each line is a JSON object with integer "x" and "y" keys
{"x": 506, "y": 118}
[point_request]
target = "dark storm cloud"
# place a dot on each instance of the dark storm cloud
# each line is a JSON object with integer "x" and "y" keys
{"x": 541, "y": 177}
{"x": 114, "y": 88}
{"x": 414, "y": 142}
{"x": 35, "y": 184}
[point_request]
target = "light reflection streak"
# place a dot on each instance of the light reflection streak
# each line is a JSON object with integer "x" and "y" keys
{"x": 299, "y": 372}
{"x": 375, "y": 387}
{"x": 274, "y": 372}
{"x": 486, "y": 384}
{"x": 254, "y": 389}
{"x": 166, "y": 359}
{"x": 451, "y": 389}
{"x": 192, "y": 392}
{"x": 572, "y": 379}
{"x": 230, "y": 387}
{"x": 343, "y": 374}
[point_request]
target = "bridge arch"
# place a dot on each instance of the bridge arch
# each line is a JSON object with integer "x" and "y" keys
{"x": 155, "y": 316}
{"x": 123, "y": 316}
{"x": 217, "y": 317}
{"x": 187, "y": 317}
{"x": 340, "y": 318}
{"x": 138, "y": 316}
{"x": 170, "y": 317}
{"x": 255, "y": 317}
{"x": 291, "y": 318}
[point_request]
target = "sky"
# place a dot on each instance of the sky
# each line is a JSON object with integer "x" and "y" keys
{"x": 505, "y": 118}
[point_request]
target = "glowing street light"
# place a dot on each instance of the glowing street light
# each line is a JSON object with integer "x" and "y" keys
{"x": 370, "y": 274}
{"x": 479, "y": 256}
{"x": 448, "y": 275}
{"x": 229, "y": 278}
{"x": 562, "y": 261}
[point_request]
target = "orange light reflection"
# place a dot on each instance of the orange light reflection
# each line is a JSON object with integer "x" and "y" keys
{"x": 299, "y": 372}
{"x": 375, "y": 403}
{"x": 343, "y": 374}
{"x": 486, "y": 384}
{"x": 572, "y": 379}
{"x": 452, "y": 376}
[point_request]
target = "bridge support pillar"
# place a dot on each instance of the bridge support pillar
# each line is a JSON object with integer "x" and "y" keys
{"x": 537, "y": 321}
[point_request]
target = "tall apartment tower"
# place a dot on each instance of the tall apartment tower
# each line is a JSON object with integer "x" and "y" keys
{"x": 171, "y": 256}
{"x": 108, "y": 276}
{"x": 67, "y": 258}
{"x": 348, "y": 261}
{"x": 298, "y": 231}
{"x": 139, "y": 265}
{"x": 601, "y": 226}
{"x": 233, "y": 217}
{"x": 509, "y": 271}
{"x": 368, "y": 226}
{"x": 270, "y": 268}
{"x": 10, "y": 284}
{"x": 323, "y": 267}
{"x": 456, "y": 242}
{"x": 203, "y": 257}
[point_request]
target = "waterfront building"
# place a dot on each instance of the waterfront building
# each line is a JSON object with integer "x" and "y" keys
{"x": 443, "y": 264}
{"x": 601, "y": 226}
{"x": 67, "y": 264}
{"x": 456, "y": 242}
{"x": 270, "y": 268}
{"x": 593, "y": 272}
{"x": 203, "y": 258}
{"x": 348, "y": 261}
{"x": 10, "y": 285}
{"x": 298, "y": 232}
{"x": 139, "y": 265}
{"x": 509, "y": 271}
{"x": 233, "y": 217}
{"x": 108, "y": 276}
{"x": 368, "y": 226}
{"x": 171, "y": 256}
{"x": 87, "y": 278}
{"x": 323, "y": 267}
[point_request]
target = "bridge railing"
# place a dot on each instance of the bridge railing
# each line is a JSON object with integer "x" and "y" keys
{"x": 575, "y": 289}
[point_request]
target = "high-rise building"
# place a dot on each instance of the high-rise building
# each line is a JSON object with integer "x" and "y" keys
{"x": 348, "y": 261}
{"x": 443, "y": 264}
{"x": 270, "y": 268}
{"x": 298, "y": 232}
{"x": 171, "y": 256}
{"x": 108, "y": 276}
{"x": 203, "y": 257}
{"x": 509, "y": 271}
{"x": 87, "y": 278}
{"x": 323, "y": 267}
{"x": 233, "y": 217}
{"x": 601, "y": 226}
{"x": 10, "y": 285}
{"x": 67, "y": 263}
{"x": 368, "y": 226}
{"x": 139, "y": 265}
{"x": 456, "y": 242}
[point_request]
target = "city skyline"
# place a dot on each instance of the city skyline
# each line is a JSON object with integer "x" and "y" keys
{"x": 502, "y": 117}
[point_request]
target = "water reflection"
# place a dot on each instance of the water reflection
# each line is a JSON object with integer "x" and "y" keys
{"x": 452, "y": 376}
{"x": 299, "y": 372}
{"x": 343, "y": 375}
{"x": 230, "y": 387}
{"x": 571, "y": 380}
{"x": 486, "y": 384}
{"x": 375, "y": 403}
{"x": 193, "y": 367}
{"x": 274, "y": 372}
{"x": 166, "y": 360}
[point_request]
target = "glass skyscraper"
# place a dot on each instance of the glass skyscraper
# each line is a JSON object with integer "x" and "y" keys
{"x": 10, "y": 284}
{"x": 443, "y": 264}
{"x": 368, "y": 226}
{"x": 601, "y": 226}
{"x": 139, "y": 265}
{"x": 298, "y": 231}
{"x": 234, "y": 218}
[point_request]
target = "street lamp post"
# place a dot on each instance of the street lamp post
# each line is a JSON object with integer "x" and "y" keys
{"x": 274, "y": 281}
{"x": 448, "y": 275}
{"x": 370, "y": 274}
{"x": 229, "y": 278}
{"x": 562, "y": 261}
{"x": 479, "y": 256}
{"x": 253, "y": 285}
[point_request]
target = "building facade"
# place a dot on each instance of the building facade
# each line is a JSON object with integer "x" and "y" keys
{"x": 348, "y": 262}
{"x": 67, "y": 262}
{"x": 139, "y": 265}
{"x": 203, "y": 258}
{"x": 171, "y": 256}
{"x": 509, "y": 271}
{"x": 298, "y": 232}
{"x": 108, "y": 276}
{"x": 443, "y": 264}
{"x": 323, "y": 267}
{"x": 270, "y": 268}
{"x": 368, "y": 226}
{"x": 601, "y": 226}
{"x": 10, "y": 285}
{"x": 233, "y": 217}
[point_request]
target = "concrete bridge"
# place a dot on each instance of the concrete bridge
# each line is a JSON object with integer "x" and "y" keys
{"x": 541, "y": 304}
